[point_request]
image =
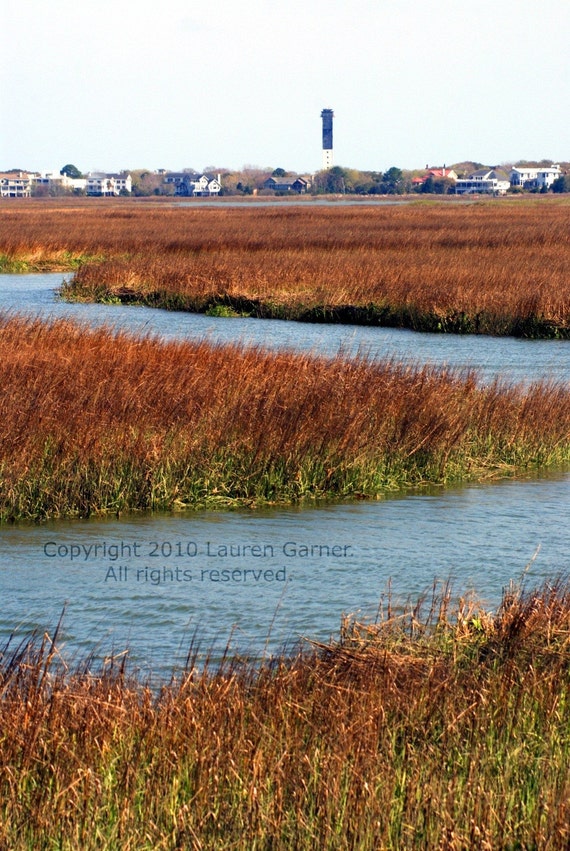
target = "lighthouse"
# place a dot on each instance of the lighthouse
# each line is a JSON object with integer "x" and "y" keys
{"x": 327, "y": 116}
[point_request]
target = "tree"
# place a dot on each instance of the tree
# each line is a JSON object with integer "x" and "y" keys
{"x": 145, "y": 182}
{"x": 392, "y": 181}
{"x": 278, "y": 172}
{"x": 438, "y": 185}
{"x": 562, "y": 183}
{"x": 365, "y": 186}
{"x": 71, "y": 171}
{"x": 248, "y": 179}
{"x": 333, "y": 181}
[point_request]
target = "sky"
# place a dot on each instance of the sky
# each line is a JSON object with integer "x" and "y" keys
{"x": 116, "y": 84}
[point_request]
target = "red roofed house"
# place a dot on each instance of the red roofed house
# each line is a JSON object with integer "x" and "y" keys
{"x": 436, "y": 174}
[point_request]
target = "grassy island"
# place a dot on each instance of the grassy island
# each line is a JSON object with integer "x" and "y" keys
{"x": 99, "y": 421}
{"x": 496, "y": 266}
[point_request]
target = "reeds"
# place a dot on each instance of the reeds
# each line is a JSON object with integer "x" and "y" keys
{"x": 492, "y": 267}
{"x": 94, "y": 421}
{"x": 446, "y": 727}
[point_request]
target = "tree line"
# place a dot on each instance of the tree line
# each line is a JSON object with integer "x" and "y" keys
{"x": 338, "y": 180}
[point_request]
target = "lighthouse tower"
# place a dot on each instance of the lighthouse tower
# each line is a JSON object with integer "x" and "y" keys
{"x": 327, "y": 117}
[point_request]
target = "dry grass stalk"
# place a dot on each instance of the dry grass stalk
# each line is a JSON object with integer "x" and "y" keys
{"x": 450, "y": 733}
{"x": 92, "y": 420}
{"x": 499, "y": 268}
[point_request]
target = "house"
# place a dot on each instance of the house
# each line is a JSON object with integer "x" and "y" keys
{"x": 16, "y": 184}
{"x": 108, "y": 184}
{"x": 206, "y": 186}
{"x": 53, "y": 179}
{"x": 285, "y": 184}
{"x": 436, "y": 174}
{"x": 193, "y": 185}
{"x": 531, "y": 177}
{"x": 175, "y": 178}
{"x": 483, "y": 181}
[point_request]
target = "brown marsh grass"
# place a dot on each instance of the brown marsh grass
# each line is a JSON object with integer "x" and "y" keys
{"x": 93, "y": 420}
{"x": 446, "y": 728}
{"x": 500, "y": 266}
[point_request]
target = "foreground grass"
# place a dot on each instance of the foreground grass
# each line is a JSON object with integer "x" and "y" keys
{"x": 493, "y": 267}
{"x": 445, "y": 728}
{"x": 94, "y": 421}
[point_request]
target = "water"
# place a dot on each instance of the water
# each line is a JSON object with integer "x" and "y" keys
{"x": 264, "y": 579}
{"x": 270, "y": 577}
{"x": 513, "y": 359}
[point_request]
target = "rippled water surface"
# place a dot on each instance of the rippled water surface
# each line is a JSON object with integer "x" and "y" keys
{"x": 519, "y": 360}
{"x": 268, "y": 577}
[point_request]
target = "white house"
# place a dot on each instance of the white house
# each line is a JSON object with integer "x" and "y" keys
{"x": 194, "y": 185}
{"x": 54, "y": 178}
{"x": 539, "y": 177}
{"x": 483, "y": 181}
{"x": 108, "y": 184}
{"x": 15, "y": 184}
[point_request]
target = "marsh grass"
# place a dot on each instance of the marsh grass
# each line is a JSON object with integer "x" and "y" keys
{"x": 490, "y": 267}
{"x": 439, "y": 726}
{"x": 95, "y": 420}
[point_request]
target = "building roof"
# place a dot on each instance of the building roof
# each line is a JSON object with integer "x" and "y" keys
{"x": 489, "y": 174}
{"x": 523, "y": 168}
{"x": 439, "y": 172}
{"x": 16, "y": 175}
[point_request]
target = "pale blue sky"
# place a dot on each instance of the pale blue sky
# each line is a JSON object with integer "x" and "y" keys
{"x": 119, "y": 84}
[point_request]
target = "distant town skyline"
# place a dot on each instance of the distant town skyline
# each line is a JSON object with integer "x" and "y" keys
{"x": 244, "y": 82}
